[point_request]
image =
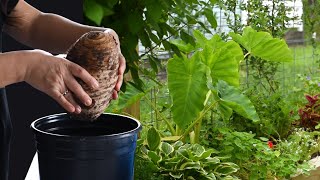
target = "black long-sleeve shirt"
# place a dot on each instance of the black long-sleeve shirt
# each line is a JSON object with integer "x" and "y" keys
{"x": 5, "y": 123}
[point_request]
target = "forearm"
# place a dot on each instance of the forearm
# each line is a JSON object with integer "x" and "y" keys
{"x": 12, "y": 67}
{"x": 45, "y": 31}
{"x": 50, "y": 32}
{"x": 55, "y": 33}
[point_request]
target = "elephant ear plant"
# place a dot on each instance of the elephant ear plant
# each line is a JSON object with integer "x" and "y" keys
{"x": 207, "y": 77}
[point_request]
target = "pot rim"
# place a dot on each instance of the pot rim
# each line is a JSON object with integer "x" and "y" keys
{"x": 37, "y": 130}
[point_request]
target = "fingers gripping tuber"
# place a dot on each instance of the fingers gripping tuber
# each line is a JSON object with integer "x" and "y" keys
{"x": 98, "y": 53}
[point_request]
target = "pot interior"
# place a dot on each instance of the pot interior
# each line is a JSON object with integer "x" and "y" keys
{"x": 106, "y": 124}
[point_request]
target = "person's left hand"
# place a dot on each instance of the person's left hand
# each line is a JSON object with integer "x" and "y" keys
{"x": 122, "y": 64}
{"x": 122, "y": 67}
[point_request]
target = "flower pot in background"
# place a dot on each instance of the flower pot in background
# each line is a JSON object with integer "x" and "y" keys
{"x": 70, "y": 149}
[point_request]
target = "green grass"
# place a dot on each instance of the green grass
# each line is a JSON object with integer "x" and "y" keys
{"x": 304, "y": 63}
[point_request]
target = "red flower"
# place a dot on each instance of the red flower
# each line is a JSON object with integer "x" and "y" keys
{"x": 270, "y": 144}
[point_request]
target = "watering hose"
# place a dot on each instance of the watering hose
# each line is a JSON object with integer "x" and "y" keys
{"x": 5, "y": 136}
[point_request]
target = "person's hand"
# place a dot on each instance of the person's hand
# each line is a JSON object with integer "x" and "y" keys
{"x": 55, "y": 76}
{"x": 122, "y": 64}
{"x": 122, "y": 67}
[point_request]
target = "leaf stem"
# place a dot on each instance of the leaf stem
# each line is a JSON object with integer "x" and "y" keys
{"x": 197, "y": 120}
{"x": 246, "y": 55}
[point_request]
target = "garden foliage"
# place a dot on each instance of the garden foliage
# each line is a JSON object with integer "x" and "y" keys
{"x": 210, "y": 127}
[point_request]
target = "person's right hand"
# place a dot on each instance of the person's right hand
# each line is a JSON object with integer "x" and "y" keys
{"x": 55, "y": 75}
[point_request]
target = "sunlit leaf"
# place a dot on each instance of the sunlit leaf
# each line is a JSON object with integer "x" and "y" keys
{"x": 263, "y": 45}
{"x": 200, "y": 38}
{"x": 128, "y": 98}
{"x": 183, "y": 46}
{"x": 222, "y": 62}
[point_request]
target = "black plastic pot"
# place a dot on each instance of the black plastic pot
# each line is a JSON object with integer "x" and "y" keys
{"x": 77, "y": 150}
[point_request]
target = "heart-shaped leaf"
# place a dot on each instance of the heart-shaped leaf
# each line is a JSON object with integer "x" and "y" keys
{"x": 221, "y": 57}
{"x": 263, "y": 45}
{"x": 187, "y": 81}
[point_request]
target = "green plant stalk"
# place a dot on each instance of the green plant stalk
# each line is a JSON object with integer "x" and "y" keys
{"x": 192, "y": 137}
{"x": 161, "y": 116}
{"x": 155, "y": 102}
{"x": 246, "y": 55}
{"x": 197, "y": 129}
{"x": 191, "y": 126}
{"x": 178, "y": 131}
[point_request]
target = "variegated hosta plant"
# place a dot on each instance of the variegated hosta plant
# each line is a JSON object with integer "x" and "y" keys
{"x": 207, "y": 77}
{"x": 184, "y": 161}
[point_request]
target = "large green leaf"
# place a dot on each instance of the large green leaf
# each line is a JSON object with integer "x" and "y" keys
{"x": 223, "y": 62}
{"x": 187, "y": 85}
{"x": 201, "y": 40}
{"x": 263, "y": 45}
{"x": 183, "y": 46}
{"x": 234, "y": 99}
{"x": 128, "y": 98}
{"x": 225, "y": 111}
{"x": 221, "y": 57}
{"x": 93, "y": 11}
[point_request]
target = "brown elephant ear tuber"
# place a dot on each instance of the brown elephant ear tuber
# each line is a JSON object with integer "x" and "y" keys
{"x": 98, "y": 53}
